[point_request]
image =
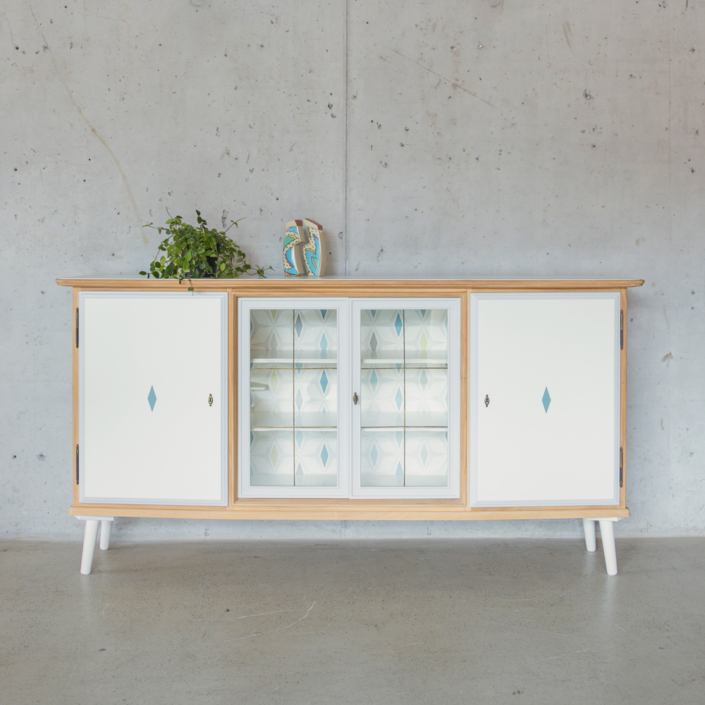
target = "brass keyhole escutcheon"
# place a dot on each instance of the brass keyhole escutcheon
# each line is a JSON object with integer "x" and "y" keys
{"x": 487, "y": 400}
{"x": 355, "y": 398}
{"x": 210, "y": 400}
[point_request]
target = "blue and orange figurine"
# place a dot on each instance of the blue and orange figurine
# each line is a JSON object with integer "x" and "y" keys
{"x": 314, "y": 249}
{"x": 293, "y": 239}
{"x": 304, "y": 249}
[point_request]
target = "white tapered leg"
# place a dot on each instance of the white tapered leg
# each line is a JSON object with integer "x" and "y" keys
{"x": 589, "y": 527}
{"x": 106, "y": 526}
{"x": 607, "y": 533}
{"x": 89, "y": 545}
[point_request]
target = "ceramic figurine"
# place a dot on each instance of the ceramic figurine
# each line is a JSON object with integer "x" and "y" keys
{"x": 314, "y": 249}
{"x": 294, "y": 236}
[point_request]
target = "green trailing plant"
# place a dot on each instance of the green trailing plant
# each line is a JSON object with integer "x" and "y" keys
{"x": 197, "y": 251}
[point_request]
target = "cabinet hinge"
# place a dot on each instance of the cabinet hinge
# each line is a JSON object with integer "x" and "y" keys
{"x": 621, "y": 467}
{"x": 621, "y": 330}
{"x": 77, "y": 463}
{"x": 77, "y": 319}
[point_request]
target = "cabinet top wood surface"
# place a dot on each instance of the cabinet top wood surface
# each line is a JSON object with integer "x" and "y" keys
{"x": 312, "y": 285}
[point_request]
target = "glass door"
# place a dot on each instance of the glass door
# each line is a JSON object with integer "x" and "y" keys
{"x": 406, "y": 397}
{"x": 293, "y": 362}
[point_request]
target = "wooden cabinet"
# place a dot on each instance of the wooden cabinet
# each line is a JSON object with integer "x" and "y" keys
{"x": 350, "y": 399}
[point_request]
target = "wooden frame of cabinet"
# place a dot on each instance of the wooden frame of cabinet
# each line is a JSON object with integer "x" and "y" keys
{"x": 357, "y": 508}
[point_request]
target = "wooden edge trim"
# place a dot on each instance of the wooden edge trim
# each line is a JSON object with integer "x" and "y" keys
{"x": 74, "y": 396}
{"x": 232, "y": 401}
{"x": 318, "y": 286}
{"x": 264, "y": 512}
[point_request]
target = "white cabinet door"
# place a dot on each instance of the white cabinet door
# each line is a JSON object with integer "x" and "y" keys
{"x": 294, "y": 397}
{"x": 406, "y": 403}
{"x": 153, "y": 398}
{"x": 545, "y": 399}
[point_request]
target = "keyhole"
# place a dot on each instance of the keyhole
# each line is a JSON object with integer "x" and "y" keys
{"x": 210, "y": 400}
{"x": 487, "y": 400}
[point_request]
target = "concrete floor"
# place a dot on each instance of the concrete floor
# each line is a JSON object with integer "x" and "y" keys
{"x": 483, "y": 621}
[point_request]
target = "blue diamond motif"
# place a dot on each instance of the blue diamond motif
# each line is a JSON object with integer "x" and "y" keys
{"x": 546, "y": 400}
{"x": 400, "y": 470}
{"x": 152, "y": 398}
{"x": 324, "y": 455}
{"x": 374, "y": 455}
{"x": 324, "y": 381}
{"x": 399, "y": 437}
{"x": 299, "y": 438}
{"x": 397, "y": 324}
{"x": 299, "y": 400}
{"x": 299, "y": 471}
{"x": 423, "y": 379}
{"x": 373, "y": 380}
{"x": 299, "y": 326}
{"x": 399, "y": 399}
{"x": 323, "y": 313}
{"x": 373, "y": 342}
{"x": 324, "y": 343}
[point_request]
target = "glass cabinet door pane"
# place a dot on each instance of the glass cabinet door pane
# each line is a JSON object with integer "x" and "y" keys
{"x": 426, "y": 458}
{"x": 382, "y": 458}
{"x": 381, "y": 397}
{"x": 316, "y": 338}
{"x": 316, "y": 398}
{"x": 293, "y": 397}
{"x": 404, "y": 413}
{"x": 316, "y": 455}
{"x": 381, "y": 337}
{"x": 426, "y": 338}
{"x": 271, "y": 338}
{"x": 271, "y": 458}
{"x": 426, "y": 397}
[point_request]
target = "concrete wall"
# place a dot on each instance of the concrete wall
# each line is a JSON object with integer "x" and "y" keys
{"x": 453, "y": 137}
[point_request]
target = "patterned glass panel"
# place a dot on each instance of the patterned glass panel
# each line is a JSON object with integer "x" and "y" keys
{"x": 382, "y": 397}
{"x": 426, "y": 397}
{"x": 316, "y": 456}
{"x": 404, "y": 390}
{"x": 271, "y": 338}
{"x": 294, "y": 397}
{"x": 426, "y": 337}
{"x": 426, "y": 458}
{"x": 316, "y": 397}
{"x": 316, "y": 337}
{"x": 271, "y": 458}
{"x": 271, "y": 397}
{"x": 382, "y": 458}
{"x": 382, "y": 338}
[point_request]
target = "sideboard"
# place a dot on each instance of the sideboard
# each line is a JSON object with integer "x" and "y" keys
{"x": 338, "y": 398}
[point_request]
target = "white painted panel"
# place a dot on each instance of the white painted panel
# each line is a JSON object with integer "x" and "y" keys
{"x": 523, "y": 345}
{"x": 175, "y": 453}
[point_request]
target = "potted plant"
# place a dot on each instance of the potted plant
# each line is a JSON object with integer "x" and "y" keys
{"x": 198, "y": 252}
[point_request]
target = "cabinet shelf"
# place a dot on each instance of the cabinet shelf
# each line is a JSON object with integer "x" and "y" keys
{"x": 287, "y": 358}
{"x": 373, "y": 358}
{"x": 281, "y": 421}
{"x": 386, "y": 420}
